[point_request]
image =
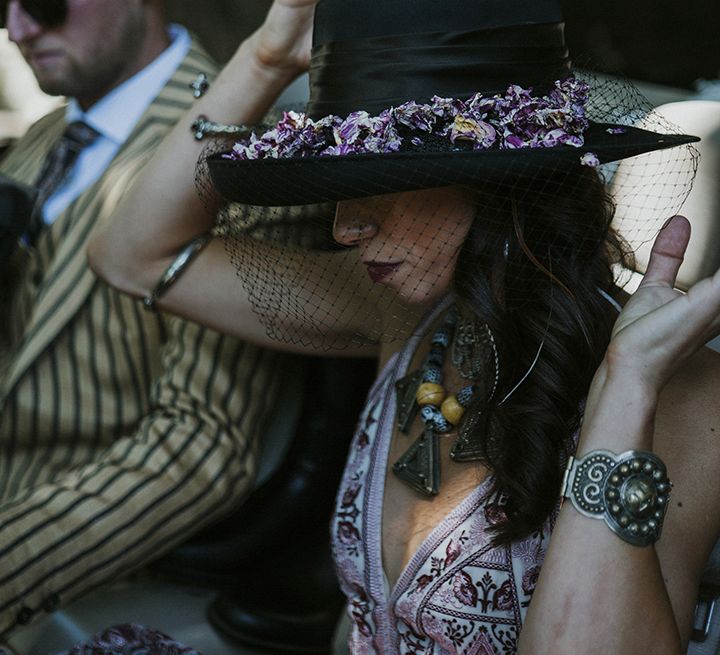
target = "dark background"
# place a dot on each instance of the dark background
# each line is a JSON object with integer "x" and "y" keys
{"x": 662, "y": 41}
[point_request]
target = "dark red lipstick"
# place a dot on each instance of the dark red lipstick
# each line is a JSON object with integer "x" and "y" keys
{"x": 378, "y": 271}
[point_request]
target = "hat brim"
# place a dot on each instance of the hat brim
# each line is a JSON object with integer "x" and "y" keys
{"x": 301, "y": 181}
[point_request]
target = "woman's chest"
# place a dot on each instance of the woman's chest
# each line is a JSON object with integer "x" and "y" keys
{"x": 409, "y": 518}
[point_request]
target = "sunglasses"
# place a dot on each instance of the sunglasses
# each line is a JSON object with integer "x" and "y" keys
{"x": 47, "y": 13}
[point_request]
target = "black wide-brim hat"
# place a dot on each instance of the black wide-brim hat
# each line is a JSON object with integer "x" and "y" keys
{"x": 370, "y": 55}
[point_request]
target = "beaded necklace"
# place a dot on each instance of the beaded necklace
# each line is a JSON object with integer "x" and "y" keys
{"x": 422, "y": 391}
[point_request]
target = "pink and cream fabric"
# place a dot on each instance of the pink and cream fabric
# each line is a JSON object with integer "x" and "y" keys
{"x": 457, "y": 594}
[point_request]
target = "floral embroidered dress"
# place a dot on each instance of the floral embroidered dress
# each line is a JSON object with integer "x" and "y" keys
{"x": 458, "y": 594}
{"x": 130, "y": 639}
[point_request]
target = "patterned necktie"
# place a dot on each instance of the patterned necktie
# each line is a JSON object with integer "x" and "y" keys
{"x": 58, "y": 163}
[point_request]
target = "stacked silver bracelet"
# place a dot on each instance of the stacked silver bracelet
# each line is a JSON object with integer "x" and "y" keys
{"x": 629, "y": 491}
{"x": 176, "y": 268}
{"x": 202, "y": 126}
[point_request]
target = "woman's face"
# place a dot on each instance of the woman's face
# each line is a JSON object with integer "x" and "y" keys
{"x": 409, "y": 241}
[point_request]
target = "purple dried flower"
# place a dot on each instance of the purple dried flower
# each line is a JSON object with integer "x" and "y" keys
{"x": 415, "y": 116}
{"x": 590, "y": 159}
{"x": 576, "y": 141}
{"x": 483, "y": 107}
{"x": 559, "y": 137}
{"x": 447, "y": 108}
{"x": 482, "y": 134}
{"x": 519, "y": 96}
{"x": 513, "y": 120}
{"x": 616, "y": 130}
{"x": 339, "y": 150}
{"x": 513, "y": 142}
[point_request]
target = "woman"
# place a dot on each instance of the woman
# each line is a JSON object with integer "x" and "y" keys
{"x": 508, "y": 255}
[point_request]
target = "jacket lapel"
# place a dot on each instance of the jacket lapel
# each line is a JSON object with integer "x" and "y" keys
{"x": 68, "y": 281}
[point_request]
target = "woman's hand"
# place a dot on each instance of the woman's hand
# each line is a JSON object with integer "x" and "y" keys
{"x": 150, "y": 224}
{"x": 645, "y": 596}
{"x": 283, "y": 42}
{"x": 660, "y": 328}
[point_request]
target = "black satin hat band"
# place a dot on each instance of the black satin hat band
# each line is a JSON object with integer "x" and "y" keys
{"x": 376, "y": 73}
{"x": 344, "y": 20}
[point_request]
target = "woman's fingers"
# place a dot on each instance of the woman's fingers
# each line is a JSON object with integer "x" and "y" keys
{"x": 668, "y": 252}
{"x": 660, "y": 326}
{"x": 286, "y": 34}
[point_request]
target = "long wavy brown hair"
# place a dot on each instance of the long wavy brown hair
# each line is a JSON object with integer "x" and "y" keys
{"x": 534, "y": 272}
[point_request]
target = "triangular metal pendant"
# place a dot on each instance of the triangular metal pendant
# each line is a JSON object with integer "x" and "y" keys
{"x": 407, "y": 407}
{"x": 463, "y": 450}
{"x": 419, "y": 466}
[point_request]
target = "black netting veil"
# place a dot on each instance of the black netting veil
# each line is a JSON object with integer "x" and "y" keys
{"x": 503, "y": 232}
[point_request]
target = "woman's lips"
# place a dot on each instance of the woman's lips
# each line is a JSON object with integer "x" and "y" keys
{"x": 43, "y": 58}
{"x": 378, "y": 271}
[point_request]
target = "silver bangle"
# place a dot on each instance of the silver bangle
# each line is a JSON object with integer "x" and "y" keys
{"x": 629, "y": 491}
{"x": 176, "y": 269}
{"x": 202, "y": 127}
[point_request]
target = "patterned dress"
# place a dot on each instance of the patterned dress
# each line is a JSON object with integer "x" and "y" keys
{"x": 130, "y": 639}
{"x": 458, "y": 594}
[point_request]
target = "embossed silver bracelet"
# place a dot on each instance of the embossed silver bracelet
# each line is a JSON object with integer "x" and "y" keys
{"x": 629, "y": 491}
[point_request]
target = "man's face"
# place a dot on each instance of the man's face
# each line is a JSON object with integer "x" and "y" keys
{"x": 92, "y": 51}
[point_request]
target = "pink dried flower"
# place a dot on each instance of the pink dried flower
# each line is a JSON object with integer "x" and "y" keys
{"x": 479, "y": 132}
{"x": 590, "y": 159}
{"x": 513, "y": 120}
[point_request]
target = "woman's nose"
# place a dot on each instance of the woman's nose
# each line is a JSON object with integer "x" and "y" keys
{"x": 20, "y": 25}
{"x": 351, "y": 231}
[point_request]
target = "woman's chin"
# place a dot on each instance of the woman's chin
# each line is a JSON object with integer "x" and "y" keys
{"x": 422, "y": 294}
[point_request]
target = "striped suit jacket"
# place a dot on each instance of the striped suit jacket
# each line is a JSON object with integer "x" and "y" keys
{"x": 121, "y": 431}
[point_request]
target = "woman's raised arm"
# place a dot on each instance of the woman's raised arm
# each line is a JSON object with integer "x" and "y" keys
{"x": 597, "y": 593}
{"x": 162, "y": 212}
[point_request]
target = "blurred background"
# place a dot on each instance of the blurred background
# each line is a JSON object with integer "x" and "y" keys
{"x": 669, "y": 47}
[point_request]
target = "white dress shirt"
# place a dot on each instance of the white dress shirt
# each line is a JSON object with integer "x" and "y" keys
{"x": 114, "y": 116}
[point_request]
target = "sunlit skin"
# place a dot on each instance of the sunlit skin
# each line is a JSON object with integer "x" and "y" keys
{"x": 100, "y": 44}
{"x": 409, "y": 241}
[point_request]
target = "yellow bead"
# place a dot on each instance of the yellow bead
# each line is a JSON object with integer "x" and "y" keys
{"x": 452, "y": 410}
{"x": 429, "y": 393}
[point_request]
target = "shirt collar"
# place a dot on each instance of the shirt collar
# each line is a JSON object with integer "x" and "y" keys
{"x": 115, "y": 115}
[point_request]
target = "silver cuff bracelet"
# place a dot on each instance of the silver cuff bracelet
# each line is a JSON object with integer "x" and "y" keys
{"x": 629, "y": 491}
{"x": 176, "y": 268}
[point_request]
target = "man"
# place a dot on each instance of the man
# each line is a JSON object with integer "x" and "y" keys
{"x": 121, "y": 430}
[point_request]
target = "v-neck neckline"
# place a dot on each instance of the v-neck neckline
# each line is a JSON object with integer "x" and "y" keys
{"x": 378, "y": 582}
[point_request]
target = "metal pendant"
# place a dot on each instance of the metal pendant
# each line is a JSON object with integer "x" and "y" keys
{"x": 463, "y": 450}
{"x": 467, "y": 353}
{"x": 419, "y": 466}
{"x": 407, "y": 407}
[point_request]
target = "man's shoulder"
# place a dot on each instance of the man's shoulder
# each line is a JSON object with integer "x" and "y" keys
{"x": 34, "y": 141}
{"x": 50, "y": 121}
{"x": 176, "y": 96}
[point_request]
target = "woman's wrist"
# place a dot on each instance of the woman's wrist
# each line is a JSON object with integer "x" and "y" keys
{"x": 619, "y": 412}
{"x": 246, "y": 88}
